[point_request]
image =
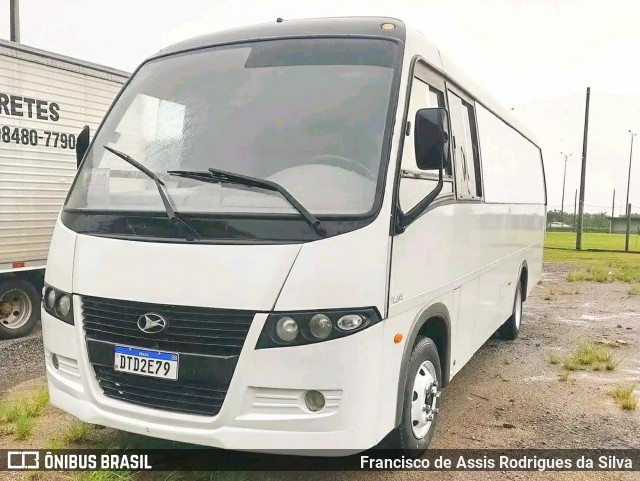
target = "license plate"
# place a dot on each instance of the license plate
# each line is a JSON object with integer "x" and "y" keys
{"x": 163, "y": 365}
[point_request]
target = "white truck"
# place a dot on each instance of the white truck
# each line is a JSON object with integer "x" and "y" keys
{"x": 45, "y": 101}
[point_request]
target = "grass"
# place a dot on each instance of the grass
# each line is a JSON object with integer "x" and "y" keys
{"x": 160, "y": 476}
{"x": 76, "y": 433}
{"x": 597, "y": 266}
{"x": 18, "y": 414}
{"x": 588, "y": 355}
{"x": 103, "y": 476}
{"x": 585, "y": 356}
{"x": 23, "y": 425}
{"x": 554, "y": 358}
{"x": 623, "y": 395}
{"x": 591, "y": 240}
{"x": 593, "y": 274}
{"x": 564, "y": 376}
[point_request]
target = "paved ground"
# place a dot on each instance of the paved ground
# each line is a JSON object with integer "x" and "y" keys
{"x": 509, "y": 395}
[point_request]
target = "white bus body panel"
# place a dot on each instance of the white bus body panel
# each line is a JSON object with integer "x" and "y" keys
{"x": 34, "y": 179}
{"x": 349, "y": 371}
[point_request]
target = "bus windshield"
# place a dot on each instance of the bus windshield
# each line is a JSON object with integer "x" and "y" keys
{"x": 308, "y": 114}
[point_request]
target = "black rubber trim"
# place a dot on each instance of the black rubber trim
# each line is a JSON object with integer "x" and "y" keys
{"x": 435, "y": 310}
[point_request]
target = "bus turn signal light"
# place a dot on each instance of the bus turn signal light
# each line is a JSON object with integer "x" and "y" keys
{"x": 397, "y": 338}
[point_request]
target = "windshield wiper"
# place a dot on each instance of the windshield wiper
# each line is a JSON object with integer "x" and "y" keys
{"x": 171, "y": 213}
{"x": 217, "y": 176}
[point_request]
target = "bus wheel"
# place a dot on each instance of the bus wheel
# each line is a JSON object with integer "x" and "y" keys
{"x": 19, "y": 308}
{"x": 421, "y": 398}
{"x": 511, "y": 328}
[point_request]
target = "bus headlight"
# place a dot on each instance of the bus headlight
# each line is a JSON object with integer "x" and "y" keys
{"x": 63, "y": 306}
{"x": 286, "y": 329}
{"x": 308, "y": 327}
{"x": 50, "y": 298}
{"x": 58, "y": 304}
{"x": 320, "y": 326}
{"x": 350, "y": 322}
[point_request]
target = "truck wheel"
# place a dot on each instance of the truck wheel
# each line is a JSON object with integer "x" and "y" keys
{"x": 511, "y": 328}
{"x": 421, "y": 399}
{"x": 19, "y": 308}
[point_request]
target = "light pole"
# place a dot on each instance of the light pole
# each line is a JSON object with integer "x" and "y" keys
{"x": 14, "y": 21}
{"x": 629, "y": 177}
{"x": 564, "y": 178}
{"x": 628, "y": 211}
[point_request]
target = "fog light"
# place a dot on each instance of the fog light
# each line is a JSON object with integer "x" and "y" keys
{"x": 54, "y": 361}
{"x": 50, "y": 299}
{"x": 64, "y": 305}
{"x": 286, "y": 329}
{"x": 314, "y": 400}
{"x": 320, "y": 326}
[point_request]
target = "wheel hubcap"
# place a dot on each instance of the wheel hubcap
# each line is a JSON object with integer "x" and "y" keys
{"x": 15, "y": 309}
{"x": 424, "y": 399}
{"x": 518, "y": 312}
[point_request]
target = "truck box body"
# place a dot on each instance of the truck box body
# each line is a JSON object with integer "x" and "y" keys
{"x": 45, "y": 101}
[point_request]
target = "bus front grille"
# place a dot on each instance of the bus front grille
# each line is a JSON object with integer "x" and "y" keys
{"x": 181, "y": 397}
{"x": 193, "y": 330}
{"x": 208, "y": 342}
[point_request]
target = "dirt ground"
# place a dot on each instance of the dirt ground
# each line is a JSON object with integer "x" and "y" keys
{"x": 514, "y": 383}
{"x": 21, "y": 359}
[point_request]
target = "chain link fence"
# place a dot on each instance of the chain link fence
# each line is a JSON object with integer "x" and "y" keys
{"x": 559, "y": 125}
{"x": 599, "y": 231}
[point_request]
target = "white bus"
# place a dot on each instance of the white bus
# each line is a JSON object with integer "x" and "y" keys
{"x": 290, "y": 236}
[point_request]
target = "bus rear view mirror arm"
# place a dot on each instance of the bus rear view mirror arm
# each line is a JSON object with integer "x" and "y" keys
{"x": 82, "y": 144}
{"x": 431, "y": 139}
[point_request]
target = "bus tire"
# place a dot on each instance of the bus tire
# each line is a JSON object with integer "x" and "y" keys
{"x": 19, "y": 308}
{"x": 421, "y": 401}
{"x": 511, "y": 328}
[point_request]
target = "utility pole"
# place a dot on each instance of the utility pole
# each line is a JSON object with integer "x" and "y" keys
{"x": 626, "y": 242}
{"x": 628, "y": 230}
{"x": 575, "y": 204}
{"x": 583, "y": 172}
{"x": 564, "y": 179}
{"x": 613, "y": 211}
{"x": 14, "y": 21}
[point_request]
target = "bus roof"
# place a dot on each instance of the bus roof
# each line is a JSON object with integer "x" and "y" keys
{"x": 416, "y": 44}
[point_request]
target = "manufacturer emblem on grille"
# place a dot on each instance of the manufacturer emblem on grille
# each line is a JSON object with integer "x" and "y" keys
{"x": 152, "y": 323}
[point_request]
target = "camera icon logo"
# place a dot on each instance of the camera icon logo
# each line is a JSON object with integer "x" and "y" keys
{"x": 19, "y": 460}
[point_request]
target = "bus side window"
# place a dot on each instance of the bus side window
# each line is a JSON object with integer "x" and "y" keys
{"x": 423, "y": 96}
{"x": 466, "y": 151}
{"x": 470, "y": 127}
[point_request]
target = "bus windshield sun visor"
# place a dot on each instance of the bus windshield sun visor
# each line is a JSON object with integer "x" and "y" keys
{"x": 323, "y": 51}
{"x": 216, "y": 176}
{"x": 191, "y": 233}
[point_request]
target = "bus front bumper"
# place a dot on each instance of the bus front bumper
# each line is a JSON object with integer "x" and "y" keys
{"x": 264, "y": 409}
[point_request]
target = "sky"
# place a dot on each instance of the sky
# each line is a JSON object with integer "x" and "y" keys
{"x": 537, "y": 57}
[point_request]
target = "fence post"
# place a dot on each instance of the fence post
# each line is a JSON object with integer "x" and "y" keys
{"x": 613, "y": 211}
{"x": 626, "y": 239}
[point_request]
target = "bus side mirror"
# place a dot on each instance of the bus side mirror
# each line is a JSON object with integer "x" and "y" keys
{"x": 431, "y": 138}
{"x": 82, "y": 144}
